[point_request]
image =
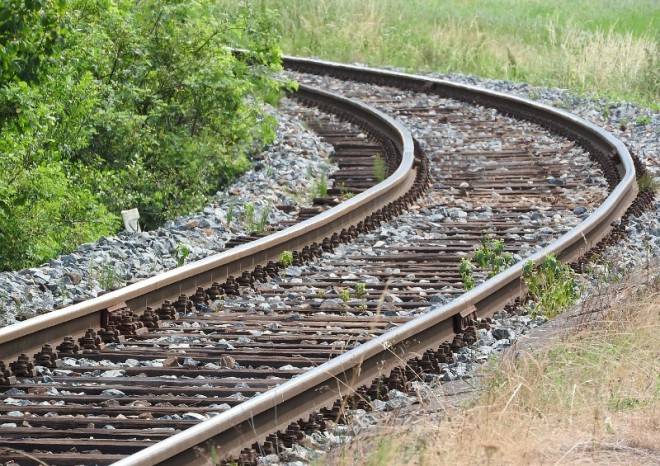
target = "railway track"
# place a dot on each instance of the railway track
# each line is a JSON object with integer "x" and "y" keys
{"x": 373, "y": 283}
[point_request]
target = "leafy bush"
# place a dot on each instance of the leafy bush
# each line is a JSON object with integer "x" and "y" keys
{"x": 114, "y": 104}
{"x": 551, "y": 285}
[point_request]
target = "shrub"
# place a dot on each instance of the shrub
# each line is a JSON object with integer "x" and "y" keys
{"x": 114, "y": 104}
{"x": 551, "y": 285}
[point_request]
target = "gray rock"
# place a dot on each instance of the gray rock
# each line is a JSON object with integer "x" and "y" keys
{"x": 556, "y": 182}
{"x": 220, "y": 407}
{"x": 500, "y": 344}
{"x": 113, "y": 393}
{"x": 224, "y": 344}
{"x": 332, "y": 303}
{"x": 41, "y": 278}
{"x": 293, "y": 271}
{"x": 14, "y": 391}
{"x": 68, "y": 260}
{"x": 16, "y": 402}
{"x": 448, "y": 376}
{"x": 503, "y": 333}
{"x": 190, "y": 362}
{"x": 439, "y": 299}
{"x": 194, "y": 417}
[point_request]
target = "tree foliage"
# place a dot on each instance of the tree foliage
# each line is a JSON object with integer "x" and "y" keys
{"x": 114, "y": 104}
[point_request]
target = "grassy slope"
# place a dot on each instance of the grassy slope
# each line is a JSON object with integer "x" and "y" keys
{"x": 611, "y": 47}
{"x": 591, "y": 397}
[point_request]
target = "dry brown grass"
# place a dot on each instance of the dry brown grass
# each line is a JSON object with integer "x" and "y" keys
{"x": 591, "y": 397}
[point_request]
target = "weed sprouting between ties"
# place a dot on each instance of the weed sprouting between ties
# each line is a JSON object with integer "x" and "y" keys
{"x": 380, "y": 168}
{"x": 490, "y": 258}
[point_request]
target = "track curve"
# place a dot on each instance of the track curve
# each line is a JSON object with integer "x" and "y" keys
{"x": 321, "y": 386}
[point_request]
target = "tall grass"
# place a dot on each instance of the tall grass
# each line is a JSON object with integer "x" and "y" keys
{"x": 611, "y": 47}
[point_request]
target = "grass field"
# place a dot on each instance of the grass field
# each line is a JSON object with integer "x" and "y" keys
{"x": 607, "y": 46}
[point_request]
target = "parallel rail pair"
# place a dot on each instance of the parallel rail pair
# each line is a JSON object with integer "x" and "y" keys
{"x": 320, "y": 387}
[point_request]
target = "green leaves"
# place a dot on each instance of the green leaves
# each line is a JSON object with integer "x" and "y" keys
{"x": 286, "y": 258}
{"x": 490, "y": 257}
{"x": 551, "y": 285}
{"x": 46, "y": 214}
{"x": 129, "y": 104}
{"x": 182, "y": 102}
{"x": 466, "y": 269}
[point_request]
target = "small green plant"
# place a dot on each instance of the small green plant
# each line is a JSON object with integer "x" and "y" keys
{"x": 252, "y": 223}
{"x": 466, "y": 269}
{"x": 605, "y": 112}
{"x": 295, "y": 195}
{"x": 108, "y": 276}
{"x": 91, "y": 270}
{"x": 229, "y": 216}
{"x": 345, "y": 296}
{"x": 360, "y": 293}
{"x": 248, "y": 214}
{"x": 643, "y": 120}
{"x": 360, "y": 290}
{"x": 646, "y": 181}
{"x": 320, "y": 186}
{"x": 62, "y": 290}
{"x": 490, "y": 258}
{"x": 534, "y": 95}
{"x": 286, "y": 258}
{"x": 260, "y": 225}
{"x": 380, "y": 168}
{"x": 215, "y": 458}
{"x": 551, "y": 286}
{"x": 345, "y": 192}
{"x": 181, "y": 252}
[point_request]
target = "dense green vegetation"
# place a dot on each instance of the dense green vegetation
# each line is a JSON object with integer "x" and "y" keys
{"x": 114, "y": 104}
{"x": 610, "y": 47}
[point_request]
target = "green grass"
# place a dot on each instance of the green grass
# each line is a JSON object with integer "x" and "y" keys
{"x": 610, "y": 47}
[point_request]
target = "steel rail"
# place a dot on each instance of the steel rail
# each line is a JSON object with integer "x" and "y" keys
{"x": 253, "y": 419}
{"x": 76, "y": 319}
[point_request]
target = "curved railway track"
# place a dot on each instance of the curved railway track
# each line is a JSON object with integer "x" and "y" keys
{"x": 283, "y": 345}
